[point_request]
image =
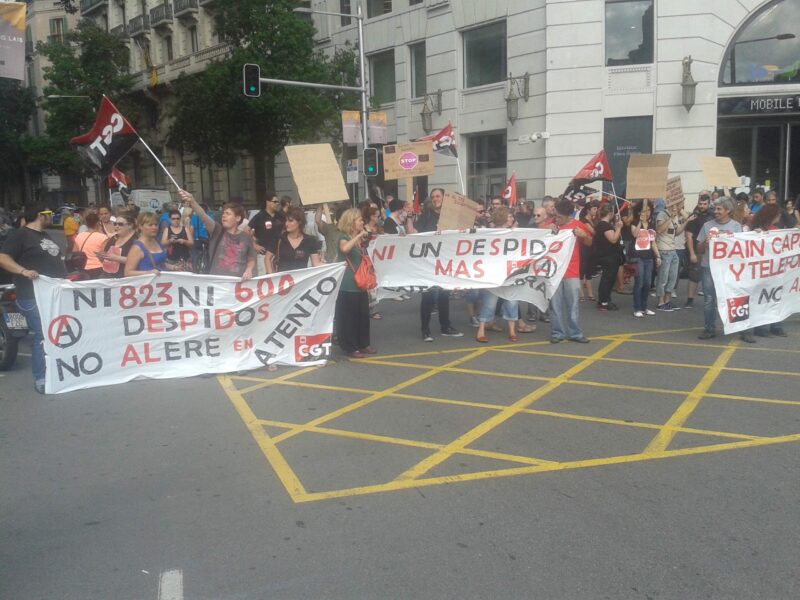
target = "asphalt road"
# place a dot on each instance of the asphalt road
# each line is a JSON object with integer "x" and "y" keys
{"x": 510, "y": 471}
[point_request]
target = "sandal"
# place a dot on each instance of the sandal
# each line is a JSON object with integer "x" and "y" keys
{"x": 376, "y": 316}
{"x": 482, "y": 339}
{"x": 513, "y": 338}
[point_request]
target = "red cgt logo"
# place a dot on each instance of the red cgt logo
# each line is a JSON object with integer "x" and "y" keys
{"x": 311, "y": 348}
{"x": 738, "y": 309}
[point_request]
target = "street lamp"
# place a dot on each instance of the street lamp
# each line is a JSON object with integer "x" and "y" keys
{"x": 688, "y": 84}
{"x": 359, "y": 17}
{"x": 780, "y": 37}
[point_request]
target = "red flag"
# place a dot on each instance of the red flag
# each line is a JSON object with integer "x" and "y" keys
{"x": 510, "y": 191}
{"x": 118, "y": 179}
{"x": 109, "y": 141}
{"x": 444, "y": 142}
{"x": 595, "y": 169}
{"x": 417, "y": 209}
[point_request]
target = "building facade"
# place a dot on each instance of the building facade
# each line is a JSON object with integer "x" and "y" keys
{"x": 592, "y": 74}
{"x": 532, "y": 87}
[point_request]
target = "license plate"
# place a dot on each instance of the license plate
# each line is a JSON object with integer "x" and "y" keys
{"x": 15, "y": 320}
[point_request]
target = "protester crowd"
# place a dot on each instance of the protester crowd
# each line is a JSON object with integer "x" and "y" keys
{"x": 640, "y": 248}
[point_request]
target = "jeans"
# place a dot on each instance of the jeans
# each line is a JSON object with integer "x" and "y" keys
{"x": 667, "y": 272}
{"x": 610, "y": 266}
{"x": 710, "y": 305}
{"x": 430, "y": 298}
{"x": 31, "y": 312}
{"x": 641, "y": 283}
{"x": 564, "y": 310}
{"x": 488, "y": 302}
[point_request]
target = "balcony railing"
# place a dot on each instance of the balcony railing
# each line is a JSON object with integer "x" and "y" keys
{"x": 161, "y": 15}
{"x": 89, "y": 6}
{"x": 206, "y": 2}
{"x": 139, "y": 25}
{"x": 185, "y": 7}
{"x": 121, "y": 31}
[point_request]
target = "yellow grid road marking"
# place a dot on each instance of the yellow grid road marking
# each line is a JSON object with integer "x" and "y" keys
{"x": 749, "y": 348}
{"x": 501, "y": 417}
{"x": 684, "y": 411}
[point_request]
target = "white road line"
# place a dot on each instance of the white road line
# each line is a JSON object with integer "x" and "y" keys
{"x": 170, "y": 586}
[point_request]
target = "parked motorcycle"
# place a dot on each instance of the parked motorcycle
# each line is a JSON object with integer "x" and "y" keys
{"x": 13, "y": 326}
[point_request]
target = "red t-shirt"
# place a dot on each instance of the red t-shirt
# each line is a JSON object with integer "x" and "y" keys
{"x": 574, "y": 268}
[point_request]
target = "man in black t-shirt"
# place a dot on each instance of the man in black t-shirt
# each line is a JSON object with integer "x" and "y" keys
{"x": 694, "y": 224}
{"x": 267, "y": 225}
{"x": 27, "y": 253}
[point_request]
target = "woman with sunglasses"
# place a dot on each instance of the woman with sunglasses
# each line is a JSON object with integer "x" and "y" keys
{"x": 293, "y": 249}
{"x": 178, "y": 239}
{"x": 147, "y": 255}
{"x": 115, "y": 251}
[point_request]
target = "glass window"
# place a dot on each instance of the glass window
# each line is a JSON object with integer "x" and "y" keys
{"x": 58, "y": 29}
{"x": 767, "y": 49}
{"x": 629, "y": 32}
{"x": 344, "y": 7}
{"x": 413, "y": 2}
{"x": 486, "y": 166}
{"x": 623, "y": 137}
{"x": 383, "y": 80}
{"x": 418, "y": 70}
{"x": 485, "y": 54}
{"x": 376, "y": 8}
{"x": 168, "y": 48}
{"x": 194, "y": 42}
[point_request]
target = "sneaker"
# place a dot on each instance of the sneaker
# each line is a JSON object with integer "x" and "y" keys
{"x": 39, "y": 386}
{"x": 426, "y": 336}
{"x": 638, "y": 314}
{"x": 700, "y": 294}
{"x": 435, "y": 311}
{"x": 672, "y": 306}
{"x": 473, "y": 320}
{"x": 649, "y": 312}
{"x": 666, "y": 307}
{"x": 748, "y": 338}
{"x": 612, "y": 306}
{"x": 556, "y": 340}
{"x": 450, "y": 332}
{"x": 580, "y": 340}
{"x": 602, "y": 307}
{"x": 689, "y": 303}
{"x": 707, "y": 335}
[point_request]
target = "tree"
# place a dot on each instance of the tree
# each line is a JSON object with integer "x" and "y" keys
{"x": 91, "y": 63}
{"x": 266, "y": 32}
{"x": 17, "y": 105}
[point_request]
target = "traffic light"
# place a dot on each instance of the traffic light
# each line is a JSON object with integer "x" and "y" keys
{"x": 252, "y": 80}
{"x": 371, "y": 162}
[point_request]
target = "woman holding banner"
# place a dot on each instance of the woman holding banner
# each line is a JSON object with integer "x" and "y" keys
{"x": 294, "y": 249}
{"x": 146, "y": 255}
{"x": 768, "y": 219}
{"x": 115, "y": 251}
{"x": 644, "y": 255}
{"x": 607, "y": 254}
{"x": 352, "y": 304}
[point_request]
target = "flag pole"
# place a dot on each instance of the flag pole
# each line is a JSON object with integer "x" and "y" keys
{"x": 616, "y": 198}
{"x": 171, "y": 178}
{"x": 461, "y": 177}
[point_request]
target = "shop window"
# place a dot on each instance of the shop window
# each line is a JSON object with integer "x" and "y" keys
{"x": 623, "y": 137}
{"x": 766, "y": 51}
{"x": 486, "y": 165}
{"x": 485, "y": 55}
{"x": 383, "y": 80}
{"x": 629, "y": 32}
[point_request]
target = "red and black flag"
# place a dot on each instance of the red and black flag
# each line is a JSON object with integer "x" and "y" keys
{"x": 444, "y": 142}
{"x": 510, "y": 191}
{"x": 111, "y": 138}
{"x": 118, "y": 179}
{"x": 596, "y": 169}
{"x": 578, "y": 194}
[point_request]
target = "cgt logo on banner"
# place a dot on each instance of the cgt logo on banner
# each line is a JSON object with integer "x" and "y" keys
{"x": 521, "y": 264}
{"x": 110, "y": 331}
{"x": 756, "y": 276}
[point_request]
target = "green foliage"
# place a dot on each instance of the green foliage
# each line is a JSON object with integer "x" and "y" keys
{"x": 91, "y": 63}
{"x": 17, "y": 105}
{"x": 268, "y": 33}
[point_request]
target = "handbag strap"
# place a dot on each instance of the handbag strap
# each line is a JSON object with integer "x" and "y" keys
{"x": 86, "y": 240}
{"x": 277, "y": 260}
{"x": 350, "y": 264}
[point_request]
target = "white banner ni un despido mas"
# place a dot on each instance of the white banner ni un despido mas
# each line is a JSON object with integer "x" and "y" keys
{"x": 756, "y": 276}
{"x": 171, "y": 325}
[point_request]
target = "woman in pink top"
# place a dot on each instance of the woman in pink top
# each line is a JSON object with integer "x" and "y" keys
{"x": 91, "y": 242}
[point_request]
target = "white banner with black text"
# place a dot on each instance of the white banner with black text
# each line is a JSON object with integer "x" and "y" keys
{"x": 756, "y": 276}
{"x": 171, "y": 325}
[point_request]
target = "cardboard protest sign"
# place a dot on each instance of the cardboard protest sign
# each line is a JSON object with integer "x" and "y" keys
{"x": 519, "y": 264}
{"x": 108, "y": 331}
{"x": 647, "y": 175}
{"x": 316, "y": 173}
{"x": 408, "y": 160}
{"x": 674, "y": 191}
{"x": 756, "y": 277}
{"x": 458, "y": 212}
{"x": 719, "y": 171}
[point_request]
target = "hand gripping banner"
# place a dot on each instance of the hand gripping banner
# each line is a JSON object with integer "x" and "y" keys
{"x": 172, "y": 325}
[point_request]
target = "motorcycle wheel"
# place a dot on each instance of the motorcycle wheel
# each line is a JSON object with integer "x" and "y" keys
{"x": 8, "y": 347}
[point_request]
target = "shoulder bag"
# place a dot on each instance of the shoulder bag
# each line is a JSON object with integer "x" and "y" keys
{"x": 364, "y": 277}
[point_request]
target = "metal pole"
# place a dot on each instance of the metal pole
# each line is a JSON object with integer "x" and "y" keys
{"x": 323, "y": 86}
{"x": 362, "y": 65}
